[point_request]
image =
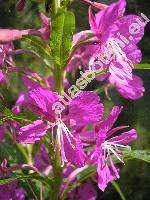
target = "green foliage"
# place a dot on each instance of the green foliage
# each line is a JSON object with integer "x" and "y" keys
{"x": 58, "y": 52}
{"x": 92, "y": 169}
{"x": 45, "y": 180}
{"x": 138, "y": 154}
{"x": 142, "y": 66}
{"x": 63, "y": 26}
{"x": 118, "y": 189}
{"x": 40, "y": 48}
{"x": 129, "y": 155}
{"x": 9, "y": 115}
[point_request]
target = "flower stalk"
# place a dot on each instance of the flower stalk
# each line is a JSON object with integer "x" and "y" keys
{"x": 56, "y": 6}
{"x": 56, "y": 162}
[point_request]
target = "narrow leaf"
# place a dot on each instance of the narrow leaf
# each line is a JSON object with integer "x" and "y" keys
{"x": 116, "y": 186}
{"x": 138, "y": 154}
{"x": 142, "y": 66}
{"x": 46, "y": 181}
{"x": 63, "y": 26}
{"x": 7, "y": 114}
{"x": 40, "y": 48}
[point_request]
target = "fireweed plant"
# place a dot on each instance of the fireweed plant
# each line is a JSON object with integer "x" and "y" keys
{"x": 66, "y": 144}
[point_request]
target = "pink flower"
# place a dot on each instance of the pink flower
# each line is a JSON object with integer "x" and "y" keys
{"x": 82, "y": 192}
{"x": 86, "y": 191}
{"x": 134, "y": 89}
{"x": 98, "y": 6}
{"x": 8, "y": 35}
{"x": 5, "y": 58}
{"x": 10, "y": 190}
{"x": 113, "y": 54}
{"x": 42, "y": 161}
{"x": 82, "y": 54}
{"x": 82, "y": 110}
{"x": 107, "y": 146}
{"x": 2, "y": 76}
{"x": 6, "y": 126}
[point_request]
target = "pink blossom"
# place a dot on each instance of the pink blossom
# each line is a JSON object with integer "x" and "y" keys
{"x": 8, "y": 35}
{"x": 42, "y": 161}
{"x": 118, "y": 58}
{"x": 83, "y": 110}
{"x": 106, "y": 146}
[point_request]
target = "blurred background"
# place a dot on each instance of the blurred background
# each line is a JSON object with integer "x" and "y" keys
{"x": 135, "y": 181}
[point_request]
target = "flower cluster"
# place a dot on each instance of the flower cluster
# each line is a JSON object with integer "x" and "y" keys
{"x": 78, "y": 134}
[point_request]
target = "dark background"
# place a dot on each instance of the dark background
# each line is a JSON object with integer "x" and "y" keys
{"x": 134, "y": 180}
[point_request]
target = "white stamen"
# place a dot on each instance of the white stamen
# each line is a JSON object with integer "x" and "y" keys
{"x": 114, "y": 148}
{"x": 62, "y": 129}
{"x": 67, "y": 134}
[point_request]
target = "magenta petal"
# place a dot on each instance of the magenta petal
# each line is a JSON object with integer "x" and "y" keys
{"x": 133, "y": 90}
{"x": 133, "y": 53}
{"x": 104, "y": 176}
{"x": 87, "y": 191}
{"x": 46, "y": 27}
{"x": 30, "y": 83}
{"x": 85, "y": 109}
{"x": 8, "y": 35}
{"x": 108, "y": 123}
{"x": 114, "y": 130}
{"x": 2, "y": 131}
{"x": 78, "y": 37}
{"x": 120, "y": 72}
{"x": 108, "y": 16}
{"x": 40, "y": 101}
{"x": 19, "y": 194}
{"x": 20, "y": 102}
{"x": 7, "y": 191}
{"x": 92, "y": 21}
{"x": 114, "y": 171}
{"x": 42, "y": 161}
{"x": 2, "y": 76}
{"x": 33, "y": 132}
{"x": 101, "y": 137}
{"x": 88, "y": 136}
{"x": 74, "y": 151}
{"x": 126, "y": 26}
{"x": 125, "y": 137}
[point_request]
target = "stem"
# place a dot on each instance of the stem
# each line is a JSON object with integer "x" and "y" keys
{"x": 57, "y": 169}
{"x": 32, "y": 191}
{"x": 56, "y": 6}
{"x": 116, "y": 186}
{"x": 59, "y": 76}
{"x": 29, "y": 149}
{"x": 70, "y": 179}
{"x": 23, "y": 166}
{"x": 56, "y": 159}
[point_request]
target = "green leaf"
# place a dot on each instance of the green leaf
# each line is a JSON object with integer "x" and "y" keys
{"x": 142, "y": 66}
{"x": 116, "y": 186}
{"x": 45, "y": 180}
{"x": 92, "y": 169}
{"x": 9, "y": 115}
{"x": 138, "y": 154}
{"x": 81, "y": 177}
{"x": 89, "y": 171}
{"x": 40, "y": 48}
{"x": 63, "y": 25}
